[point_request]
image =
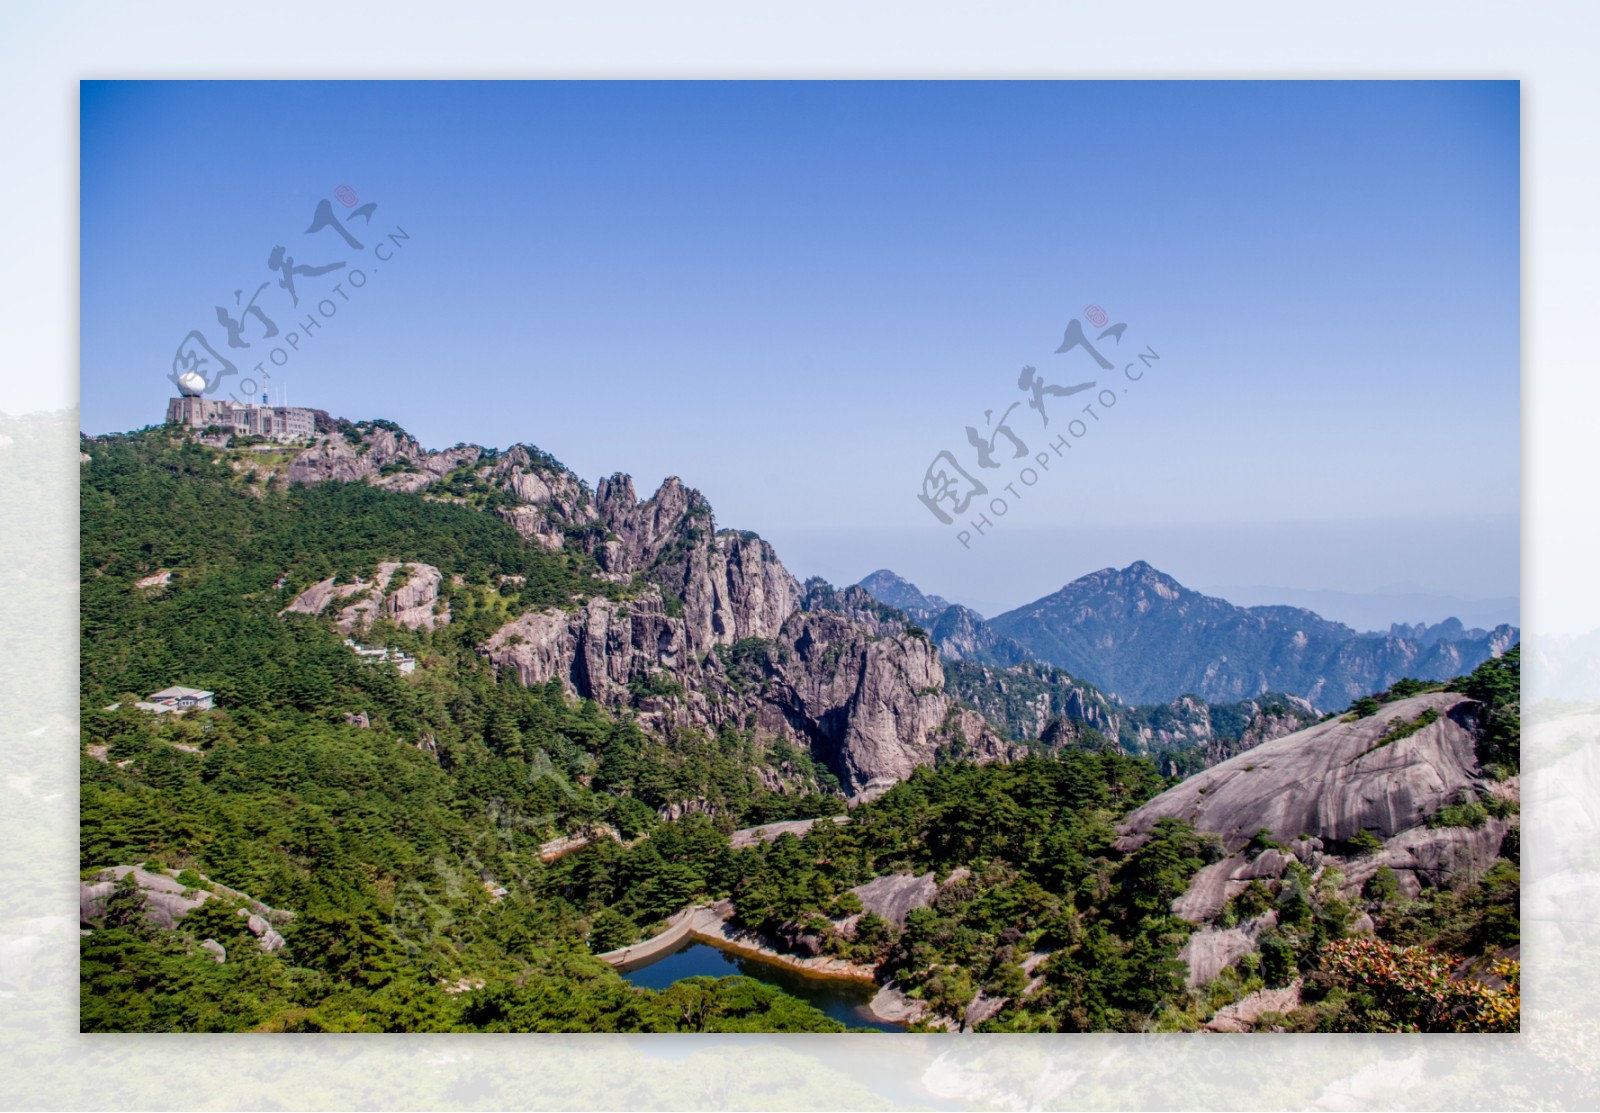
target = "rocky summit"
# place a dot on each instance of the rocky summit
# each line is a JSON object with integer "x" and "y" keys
{"x": 903, "y": 595}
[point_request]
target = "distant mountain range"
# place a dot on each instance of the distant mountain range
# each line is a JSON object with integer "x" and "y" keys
{"x": 1142, "y": 635}
{"x": 1376, "y": 610}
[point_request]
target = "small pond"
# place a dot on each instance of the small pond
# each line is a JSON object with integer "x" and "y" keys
{"x": 840, "y": 998}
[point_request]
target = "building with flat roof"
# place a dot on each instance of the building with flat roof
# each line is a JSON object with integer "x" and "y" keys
{"x": 175, "y": 698}
{"x": 279, "y": 423}
{"x": 179, "y": 698}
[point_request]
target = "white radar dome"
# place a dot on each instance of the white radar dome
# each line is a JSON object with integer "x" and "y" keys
{"x": 191, "y": 383}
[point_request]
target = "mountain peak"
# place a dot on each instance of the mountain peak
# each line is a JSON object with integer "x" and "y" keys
{"x": 898, "y": 592}
{"x": 1140, "y": 633}
{"x": 1140, "y": 572}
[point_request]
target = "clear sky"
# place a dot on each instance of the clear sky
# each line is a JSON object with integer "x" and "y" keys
{"x": 795, "y": 295}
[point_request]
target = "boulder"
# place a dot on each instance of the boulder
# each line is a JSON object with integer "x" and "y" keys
{"x": 1334, "y": 780}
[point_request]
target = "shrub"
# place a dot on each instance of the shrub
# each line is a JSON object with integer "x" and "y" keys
{"x": 1382, "y": 886}
{"x": 1277, "y": 959}
{"x": 1363, "y": 708}
{"x": 1469, "y": 814}
{"x": 1418, "y": 991}
{"x": 1365, "y": 842}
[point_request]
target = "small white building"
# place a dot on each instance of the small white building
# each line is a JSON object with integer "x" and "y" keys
{"x": 179, "y": 698}
{"x": 172, "y": 699}
{"x": 385, "y": 654}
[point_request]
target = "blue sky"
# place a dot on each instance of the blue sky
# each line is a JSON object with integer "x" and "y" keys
{"x": 794, "y": 295}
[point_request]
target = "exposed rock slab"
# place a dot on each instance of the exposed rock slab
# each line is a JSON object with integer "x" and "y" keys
{"x": 1430, "y": 856}
{"x": 892, "y": 897}
{"x": 982, "y": 1007}
{"x": 562, "y": 846}
{"x": 1332, "y": 781}
{"x": 1241, "y": 1016}
{"x": 891, "y": 1005}
{"x": 167, "y": 900}
{"x": 768, "y": 832}
{"x": 1212, "y": 950}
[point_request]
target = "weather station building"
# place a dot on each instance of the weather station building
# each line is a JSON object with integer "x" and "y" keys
{"x": 279, "y": 423}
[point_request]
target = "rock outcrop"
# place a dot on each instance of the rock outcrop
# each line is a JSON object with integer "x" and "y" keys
{"x": 405, "y": 594}
{"x": 770, "y": 832}
{"x": 1242, "y": 1015}
{"x": 1209, "y": 951}
{"x": 1214, "y": 733}
{"x": 596, "y": 649}
{"x": 893, "y": 896}
{"x": 1349, "y": 795}
{"x": 164, "y": 902}
{"x": 355, "y": 453}
{"x": 1035, "y": 701}
{"x": 731, "y": 584}
{"x": 550, "y": 500}
{"x": 715, "y": 631}
{"x": 871, "y": 708}
{"x": 1334, "y": 780}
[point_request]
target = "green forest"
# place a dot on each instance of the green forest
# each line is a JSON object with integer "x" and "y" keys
{"x": 406, "y": 852}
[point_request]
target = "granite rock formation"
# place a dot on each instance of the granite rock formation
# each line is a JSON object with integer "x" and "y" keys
{"x": 1352, "y": 795}
{"x": 405, "y": 594}
{"x": 1334, "y": 780}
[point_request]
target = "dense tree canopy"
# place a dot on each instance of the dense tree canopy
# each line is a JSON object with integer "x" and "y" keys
{"x": 410, "y": 853}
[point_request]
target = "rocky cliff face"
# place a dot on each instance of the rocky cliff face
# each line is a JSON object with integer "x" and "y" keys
{"x": 872, "y": 708}
{"x": 835, "y": 672}
{"x": 1215, "y": 732}
{"x": 731, "y": 584}
{"x": 541, "y": 499}
{"x": 1146, "y": 637}
{"x": 1035, "y": 701}
{"x": 356, "y": 453}
{"x": 549, "y": 500}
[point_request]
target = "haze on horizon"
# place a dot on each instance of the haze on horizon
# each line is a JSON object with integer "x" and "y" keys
{"x": 794, "y": 295}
